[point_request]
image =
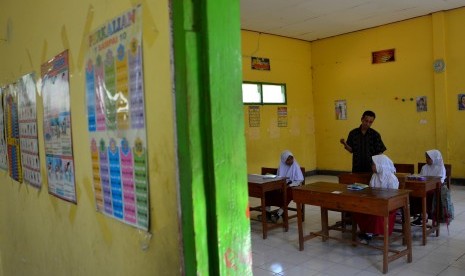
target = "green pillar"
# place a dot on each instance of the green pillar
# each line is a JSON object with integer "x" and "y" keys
{"x": 211, "y": 141}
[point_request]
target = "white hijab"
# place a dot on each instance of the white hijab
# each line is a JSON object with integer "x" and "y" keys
{"x": 437, "y": 168}
{"x": 385, "y": 173}
{"x": 292, "y": 172}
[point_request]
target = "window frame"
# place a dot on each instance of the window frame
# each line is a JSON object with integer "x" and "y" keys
{"x": 260, "y": 91}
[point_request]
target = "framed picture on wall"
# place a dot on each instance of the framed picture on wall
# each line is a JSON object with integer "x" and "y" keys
{"x": 461, "y": 101}
{"x": 421, "y": 104}
{"x": 340, "y": 108}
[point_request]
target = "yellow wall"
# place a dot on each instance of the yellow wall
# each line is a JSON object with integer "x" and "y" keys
{"x": 339, "y": 68}
{"x": 342, "y": 69}
{"x": 290, "y": 61}
{"x": 43, "y": 235}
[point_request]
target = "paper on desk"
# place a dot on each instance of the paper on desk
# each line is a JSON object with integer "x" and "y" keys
{"x": 268, "y": 176}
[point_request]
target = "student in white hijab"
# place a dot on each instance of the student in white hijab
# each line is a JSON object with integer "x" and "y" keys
{"x": 383, "y": 177}
{"x": 434, "y": 167}
{"x": 290, "y": 168}
{"x": 383, "y": 173}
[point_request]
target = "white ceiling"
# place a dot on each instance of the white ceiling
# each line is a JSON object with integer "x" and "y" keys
{"x": 316, "y": 19}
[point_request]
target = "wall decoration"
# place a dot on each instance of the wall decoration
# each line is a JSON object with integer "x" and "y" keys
{"x": 282, "y": 116}
{"x": 254, "y": 116}
{"x": 57, "y": 128}
{"x": 383, "y": 56}
{"x": 259, "y": 63}
{"x": 116, "y": 119}
{"x": 27, "y": 118}
{"x": 422, "y": 104}
{"x": 340, "y": 107}
{"x": 10, "y": 100}
{"x": 461, "y": 101}
{"x": 3, "y": 146}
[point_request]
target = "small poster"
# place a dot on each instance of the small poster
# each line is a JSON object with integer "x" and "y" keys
{"x": 259, "y": 63}
{"x": 383, "y": 56}
{"x": 254, "y": 116}
{"x": 282, "y": 116}
{"x": 461, "y": 99}
{"x": 116, "y": 119}
{"x": 28, "y": 131}
{"x": 3, "y": 147}
{"x": 10, "y": 100}
{"x": 57, "y": 128}
{"x": 340, "y": 107}
{"x": 421, "y": 104}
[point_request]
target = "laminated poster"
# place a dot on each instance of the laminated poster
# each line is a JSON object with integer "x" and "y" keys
{"x": 57, "y": 128}
{"x": 10, "y": 101}
{"x": 3, "y": 147}
{"x": 28, "y": 131}
{"x": 116, "y": 119}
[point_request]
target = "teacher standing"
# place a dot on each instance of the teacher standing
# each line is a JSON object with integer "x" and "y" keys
{"x": 364, "y": 142}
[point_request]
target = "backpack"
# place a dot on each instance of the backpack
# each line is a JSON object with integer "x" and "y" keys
{"x": 446, "y": 211}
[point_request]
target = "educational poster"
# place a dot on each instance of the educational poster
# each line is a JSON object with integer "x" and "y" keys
{"x": 116, "y": 119}
{"x": 340, "y": 107}
{"x": 27, "y": 118}
{"x": 254, "y": 116}
{"x": 10, "y": 100}
{"x": 3, "y": 147}
{"x": 57, "y": 128}
{"x": 282, "y": 116}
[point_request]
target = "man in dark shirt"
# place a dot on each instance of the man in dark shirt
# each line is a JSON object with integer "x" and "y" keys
{"x": 364, "y": 142}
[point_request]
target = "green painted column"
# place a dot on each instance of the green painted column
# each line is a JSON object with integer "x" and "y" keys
{"x": 211, "y": 141}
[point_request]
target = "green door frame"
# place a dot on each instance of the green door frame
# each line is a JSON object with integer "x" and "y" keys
{"x": 215, "y": 223}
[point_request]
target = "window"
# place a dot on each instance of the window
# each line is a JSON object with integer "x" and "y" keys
{"x": 263, "y": 93}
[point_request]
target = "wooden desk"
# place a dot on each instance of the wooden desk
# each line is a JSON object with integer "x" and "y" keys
{"x": 420, "y": 188}
{"x": 371, "y": 201}
{"x": 258, "y": 186}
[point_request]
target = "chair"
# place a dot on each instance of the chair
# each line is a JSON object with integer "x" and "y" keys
{"x": 448, "y": 173}
{"x": 266, "y": 170}
{"x": 405, "y": 168}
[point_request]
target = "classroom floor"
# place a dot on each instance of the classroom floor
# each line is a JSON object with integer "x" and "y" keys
{"x": 279, "y": 254}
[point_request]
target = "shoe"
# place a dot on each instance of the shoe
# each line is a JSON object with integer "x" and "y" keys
{"x": 365, "y": 238}
{"x": 417, "y": 222}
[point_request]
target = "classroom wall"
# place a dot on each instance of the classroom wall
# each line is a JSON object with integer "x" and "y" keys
{"x": 43, "y": 235}
{"x": 290, "y": 61}
{"x": 342, "y": 70}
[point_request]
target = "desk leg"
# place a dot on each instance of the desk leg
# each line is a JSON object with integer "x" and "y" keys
{"x": 300, "y": 226}
{"x": 423, "y": 214}
{"x": 406, "y": 230}
{"x": 285, "y": 215}
{"x": 324, "y": 223}
{"x": 264, "y": 222}
{"x": 354, "y": 229}
{"x": 386, "y": 244}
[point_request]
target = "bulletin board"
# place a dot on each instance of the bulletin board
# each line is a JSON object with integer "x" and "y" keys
{"x": 116, "y": 119}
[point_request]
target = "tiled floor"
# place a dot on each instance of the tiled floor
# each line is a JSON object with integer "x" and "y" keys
{"x": 279, "y": 254}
